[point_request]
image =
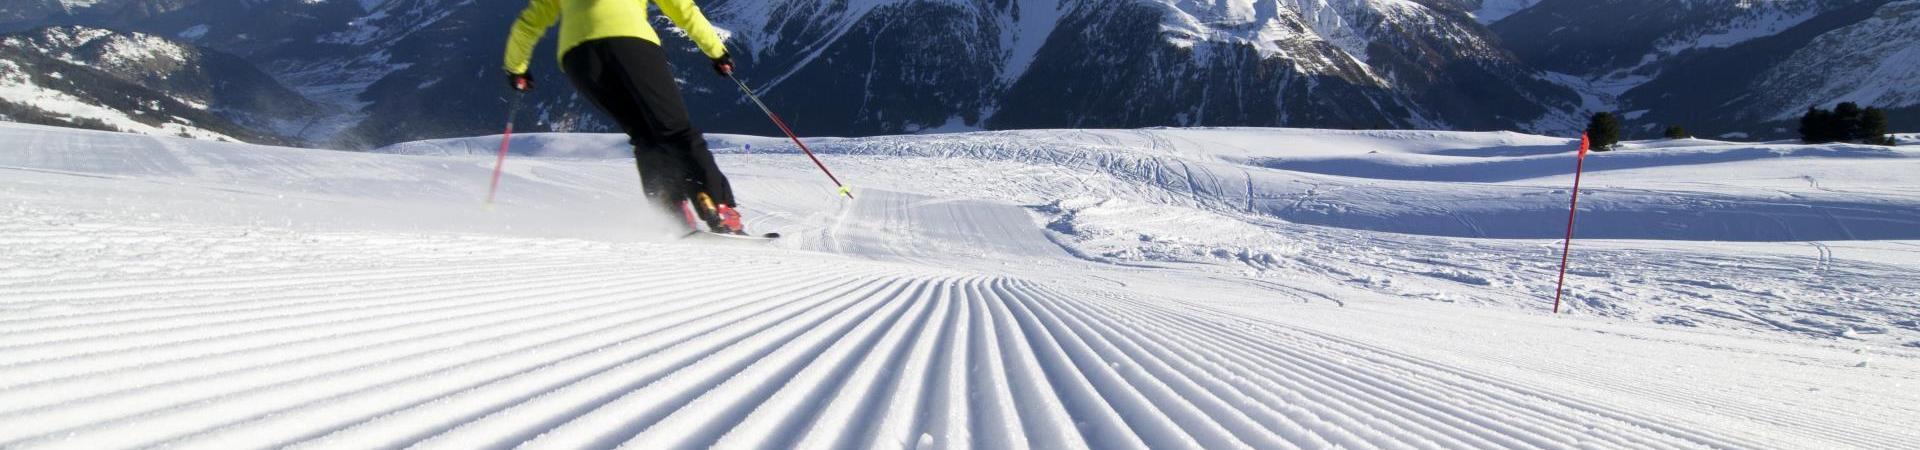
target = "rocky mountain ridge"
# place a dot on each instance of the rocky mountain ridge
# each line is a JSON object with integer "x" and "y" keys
{"x": 383, "y": 71}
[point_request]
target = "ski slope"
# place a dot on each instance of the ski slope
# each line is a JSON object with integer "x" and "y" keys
{"x": 1233, "y": 288}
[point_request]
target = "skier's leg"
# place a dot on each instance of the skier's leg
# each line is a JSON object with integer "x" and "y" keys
{"x": 596, "y": 72}
{"x": 664, "y": 175}
{"x": 665, "y": 114}
{"x": 700, "y": 162}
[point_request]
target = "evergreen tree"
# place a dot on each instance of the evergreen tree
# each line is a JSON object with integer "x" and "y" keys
{"x": 1677, "y": 132}
{"x": 1604, "y": 131}
{"x": 1847, "y": 126}
{"x": 1847, "y": 122}
{"x": 1817, "y": 126}
{"x": 1873, "y": 126}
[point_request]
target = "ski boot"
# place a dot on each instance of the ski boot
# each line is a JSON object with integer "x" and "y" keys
{"x": 730, "y": 219}
{"x": 720, "y": 218}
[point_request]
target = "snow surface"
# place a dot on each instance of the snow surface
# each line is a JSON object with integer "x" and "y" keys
{"x": 1493, "y": 10}
{"x": 194, "y": 33}
{"x": 1180, "y": 288}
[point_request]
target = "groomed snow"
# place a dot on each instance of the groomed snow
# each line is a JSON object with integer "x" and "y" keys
{"x": 1181, "y": 288}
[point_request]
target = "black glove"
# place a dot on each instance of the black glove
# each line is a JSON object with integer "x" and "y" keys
{"x": 723, "y": 65}
{"x": 522, "y": 82}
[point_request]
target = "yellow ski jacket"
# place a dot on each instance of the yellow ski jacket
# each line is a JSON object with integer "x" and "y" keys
{"x": 586, "y": 20}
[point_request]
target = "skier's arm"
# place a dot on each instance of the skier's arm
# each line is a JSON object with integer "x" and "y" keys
{"x": 685, "y": 14}
{"x": 533, "y": 23}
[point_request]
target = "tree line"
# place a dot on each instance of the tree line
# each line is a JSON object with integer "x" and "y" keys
{"x": 1847, "y": 122}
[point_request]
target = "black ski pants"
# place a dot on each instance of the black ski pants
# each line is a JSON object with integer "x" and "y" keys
{"x": 628, "y": 79}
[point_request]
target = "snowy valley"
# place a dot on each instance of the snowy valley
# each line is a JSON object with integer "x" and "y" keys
{"x": 1153, "y": 288}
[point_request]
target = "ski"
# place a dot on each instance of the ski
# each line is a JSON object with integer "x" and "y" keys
{"x": 704, "y": 234}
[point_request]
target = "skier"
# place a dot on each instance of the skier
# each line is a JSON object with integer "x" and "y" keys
{"x": 613, "y": 56}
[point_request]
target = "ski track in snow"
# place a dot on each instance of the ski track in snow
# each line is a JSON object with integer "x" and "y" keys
{"x": 165, "y": 293}
{"x": 633, "y": 349}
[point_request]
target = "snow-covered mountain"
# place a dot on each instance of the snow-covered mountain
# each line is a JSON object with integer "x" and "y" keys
{"x": 1871, "y": 62}
{"x": 871, "y": 67}
{"x": 409, "y": 69}
{"x": 1343, "y": 63}
{"x": 1597, "y": 36}
{"x": 142, "y": 83}
{"x": 19, "y": 15}
{"x": 397, "y": 70}
{"x": 1718, "y": 66}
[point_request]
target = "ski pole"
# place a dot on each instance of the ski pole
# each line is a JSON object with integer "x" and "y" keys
{"x": 513, "y": 106}
{"x": 844, "y": 190}
{"x": 1579, "y": 166}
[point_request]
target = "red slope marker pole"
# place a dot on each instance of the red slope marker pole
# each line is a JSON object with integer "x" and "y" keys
{"x": 844, "y": 190}
{"x": 505, "y": 138}
{"x": 1578, "y": 166}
